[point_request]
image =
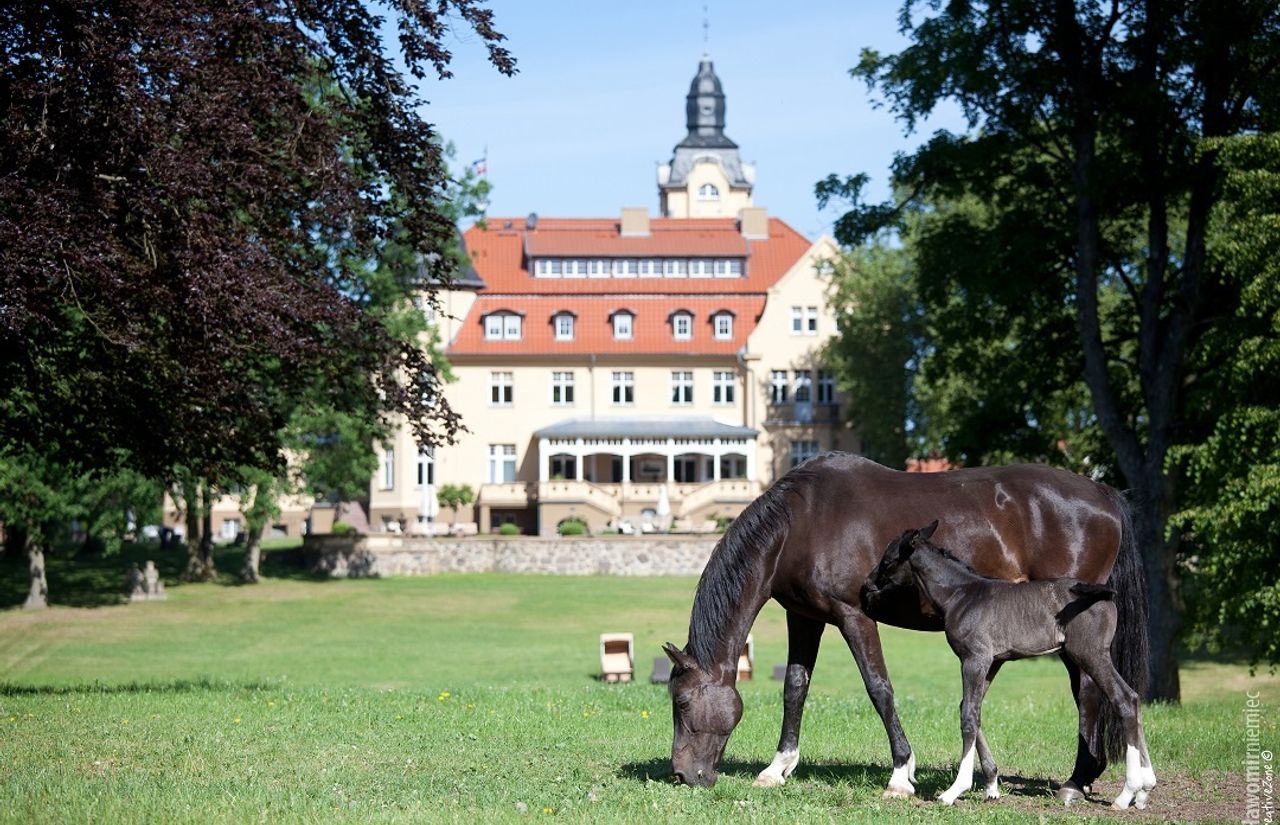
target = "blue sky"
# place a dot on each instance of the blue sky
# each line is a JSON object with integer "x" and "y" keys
{"x": 599, "y": 101}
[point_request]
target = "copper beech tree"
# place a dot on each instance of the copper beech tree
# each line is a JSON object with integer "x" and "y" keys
{"x": 196, "y": 202}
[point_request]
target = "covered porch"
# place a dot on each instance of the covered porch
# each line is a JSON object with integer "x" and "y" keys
{"x": 683, "y": 450}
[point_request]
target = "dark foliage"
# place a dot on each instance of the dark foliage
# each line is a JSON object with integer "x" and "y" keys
{"x": 192, "y": 196}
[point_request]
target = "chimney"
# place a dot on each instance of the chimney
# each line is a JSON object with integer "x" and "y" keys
{"x": 753, "y": 221}
{"x": 635, "y": 222}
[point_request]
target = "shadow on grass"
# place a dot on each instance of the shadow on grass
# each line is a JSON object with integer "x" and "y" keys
{"x": 98, "y": 580}
{"x": 930, "y": 781}
{"x": 176, "y": 686}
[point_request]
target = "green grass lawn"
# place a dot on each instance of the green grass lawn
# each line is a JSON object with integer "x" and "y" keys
{"x": 472, "y": 698}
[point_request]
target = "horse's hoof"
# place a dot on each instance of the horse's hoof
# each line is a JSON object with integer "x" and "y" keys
{"x": 1140, "y": 800}
{"x": 993, "y": 792}
{"x": 766, "y": 780}
{"x": 1069, "y": 793}
{"x": 899, "y": 792}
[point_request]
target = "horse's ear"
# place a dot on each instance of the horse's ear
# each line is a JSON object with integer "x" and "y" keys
{"x": 926, "y": 532}
{"x": 678, "y": 657}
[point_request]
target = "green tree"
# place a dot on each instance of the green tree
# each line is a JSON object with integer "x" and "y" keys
{"x": 876, "y": 352}
{"x": 455, "y": 496}
{"x": 1093, "y": 115}
{"x": 1230, "y": 474}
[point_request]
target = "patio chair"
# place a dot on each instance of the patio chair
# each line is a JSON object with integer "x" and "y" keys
{"x": 616, "y": 657}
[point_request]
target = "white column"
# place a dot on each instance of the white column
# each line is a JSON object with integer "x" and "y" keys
{"x": 671, "y": 460}
{"x": 717, "y": 452}
{"x": 578, "y": 455}
{"x": 751, "y": 460}
{"x": 544, "y": 459}
{"x": 626, "y": 461}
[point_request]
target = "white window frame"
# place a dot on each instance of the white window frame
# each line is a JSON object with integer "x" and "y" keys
{"x": 389, "y": 468}
{"x": 779, "y": 387}
{"x": 723, "y": 386}
{"x": 804, "y": 387}
{"x": 623, "y": 330}
{"x": 426, "y": 465}
{"x": 230, "y": 528}
{"x": 682, "y": 326}
{"x": 797, "y": 321}
{"x": 624, "y": 388}
{"x": 802, "y": 451}
{"x": 811, "y": 321}
{"x": 562, "y": 382}
{"x": 826, "y": 387}
{"x": 708, "y": 192}
{"x": 503, "y": 326}
{"x": 682, "y": 388}
{"x": 501, "y": 388}
{"x": 501, "y": 458}
{"x": 563, "y": 323}
{"x": 722, "y": 323}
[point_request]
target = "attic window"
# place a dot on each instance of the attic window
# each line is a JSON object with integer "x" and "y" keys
{"x": 502, "y": 326}
{"x": 622, "y": 324}
{"x": 708, "y": 192}
{"x": 563, "y": 322}
{"x": 722, "y": 324}
{"x": 682, "y": 325}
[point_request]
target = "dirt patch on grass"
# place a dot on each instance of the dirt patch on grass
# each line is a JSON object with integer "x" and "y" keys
{"x": 1215, "y": 797}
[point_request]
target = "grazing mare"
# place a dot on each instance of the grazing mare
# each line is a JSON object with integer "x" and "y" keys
{"x": 990, "y": 621}
{"x": 811, "y": 540}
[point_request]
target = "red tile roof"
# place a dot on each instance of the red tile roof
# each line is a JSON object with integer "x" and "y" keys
{"x": 498, "y": 253}
{"x": 593, "y": 325}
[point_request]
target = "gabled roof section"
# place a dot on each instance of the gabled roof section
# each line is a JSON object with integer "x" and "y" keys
{"x": 498, "y": 253}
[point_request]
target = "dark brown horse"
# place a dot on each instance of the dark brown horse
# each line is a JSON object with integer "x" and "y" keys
{"x": 811, "y": 540}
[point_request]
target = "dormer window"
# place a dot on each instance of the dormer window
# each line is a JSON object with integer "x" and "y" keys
{"x": 502, "y": 326}
{"x": 622, "y": 325}
{"x": 708, "y": 192}
{"x": 562, "y": 322}
{"x": 682, "y": 325}
{"x": 722, "y": 325}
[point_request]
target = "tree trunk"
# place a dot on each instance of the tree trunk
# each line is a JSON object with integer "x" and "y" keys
{"x": 252, "y": 555}
{"x": 1151, "y": 517}
{"x": 38, "y": 598}
{"x": 199, "y": 536}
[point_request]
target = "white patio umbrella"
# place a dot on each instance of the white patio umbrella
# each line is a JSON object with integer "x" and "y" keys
{"x": 663, "y": 512}
{"x": 429, "y": 506}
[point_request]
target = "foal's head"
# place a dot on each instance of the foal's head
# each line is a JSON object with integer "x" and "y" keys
{"x": 705, "y": 708}
{"x": 893, "y": 573}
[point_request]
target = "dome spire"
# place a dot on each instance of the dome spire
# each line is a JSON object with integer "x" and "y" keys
{"x": 704, "y": 109}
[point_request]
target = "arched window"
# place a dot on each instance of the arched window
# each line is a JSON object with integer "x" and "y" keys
{"x": 708, "y": 192}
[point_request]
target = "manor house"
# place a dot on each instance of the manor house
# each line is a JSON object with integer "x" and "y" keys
{"x": 631, "y": 370}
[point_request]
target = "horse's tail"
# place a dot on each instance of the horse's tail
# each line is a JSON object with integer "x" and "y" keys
{"x": 1129, "y": 648}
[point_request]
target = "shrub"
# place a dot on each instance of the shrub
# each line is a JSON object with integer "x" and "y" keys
{"x": 341, "y": 528}
{"x": 572, "y": 527}
{"x": 509, "y": 529}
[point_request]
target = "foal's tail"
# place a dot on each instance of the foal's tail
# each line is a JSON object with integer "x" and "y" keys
{"x": 1129, "y": 648}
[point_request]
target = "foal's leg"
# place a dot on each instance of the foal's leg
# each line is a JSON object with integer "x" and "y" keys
{"x": 803, "y": 638}
{"x": 1139, "y": 776}
{"x": 985, "y": 758}
{"x": 973, "y": 673}
{"x": 1091, "y": 754}
{"x": 864, "y": 642}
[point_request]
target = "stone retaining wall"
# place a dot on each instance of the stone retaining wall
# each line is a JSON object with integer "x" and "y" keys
{"x": 371, "y": 556}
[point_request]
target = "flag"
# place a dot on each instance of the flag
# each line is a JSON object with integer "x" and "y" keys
{"x": 480, "y": 167}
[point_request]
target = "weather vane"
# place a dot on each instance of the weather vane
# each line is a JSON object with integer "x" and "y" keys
{"x": 706, "y": 27}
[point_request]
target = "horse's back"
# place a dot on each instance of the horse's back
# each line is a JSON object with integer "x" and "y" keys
{"x": 1019, "y": 522}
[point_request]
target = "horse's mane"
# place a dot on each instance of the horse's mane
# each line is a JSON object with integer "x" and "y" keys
{"x": 762, "y": 525}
